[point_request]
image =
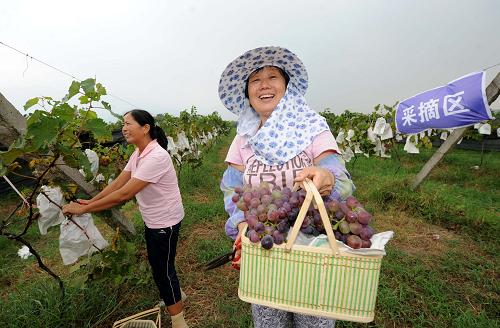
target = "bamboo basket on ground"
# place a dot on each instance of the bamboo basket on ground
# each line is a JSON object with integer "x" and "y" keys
{"x": 135, "y": 321}
{"x": 319, "y": 281}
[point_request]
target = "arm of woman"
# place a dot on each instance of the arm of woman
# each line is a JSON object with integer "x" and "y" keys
{"x": 232, "y": 178}
{"x": 116, "y": 184}
{"x": 329, "y": 175}
{"x": 126, "y": 192}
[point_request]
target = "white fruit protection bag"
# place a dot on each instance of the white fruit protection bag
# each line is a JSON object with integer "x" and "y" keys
{"x": 50, "y": 213}
{"x": 94, "y": 161}
{"x": 378, "y": 240}
{"x": 75, "y": 242}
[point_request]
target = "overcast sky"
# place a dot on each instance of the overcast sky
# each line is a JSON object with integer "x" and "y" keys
{"x": 165, "y": 56}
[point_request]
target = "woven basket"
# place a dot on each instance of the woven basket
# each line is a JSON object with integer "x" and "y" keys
{"x": 317, "y": 281}
{"x": 136, "y": 321}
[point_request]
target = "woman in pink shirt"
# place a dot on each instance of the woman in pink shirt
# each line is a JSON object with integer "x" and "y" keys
{"x": 149, "y": 176}
{"x": 280, "y": 140}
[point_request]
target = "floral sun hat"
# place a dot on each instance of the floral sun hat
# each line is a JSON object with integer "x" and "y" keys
{"x": 291, "y": 126}
{"x": 233, "y": 80}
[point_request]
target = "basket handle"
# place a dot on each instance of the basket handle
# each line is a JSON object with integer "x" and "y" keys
{"x": 312, "y": 194}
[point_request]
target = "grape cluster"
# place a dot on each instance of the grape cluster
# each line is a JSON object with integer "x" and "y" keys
{"x": 270, "y": 212}
{"x": 350, "y": 222}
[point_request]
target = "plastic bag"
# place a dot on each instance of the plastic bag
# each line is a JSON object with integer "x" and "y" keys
{"x": 182, "y": 141}
{"x": 50, "y": 214}
{"x": 24, "y": 252}
{"x": 94, "y": 161}
{"x": 379, "y": 240}
{"x": 73, "y": 242}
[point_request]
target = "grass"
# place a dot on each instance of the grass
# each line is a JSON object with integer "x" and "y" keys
{"x": 441, "y": 269}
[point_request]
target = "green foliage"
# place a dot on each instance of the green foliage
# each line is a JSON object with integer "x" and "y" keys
{"x": 455, "y": 195}
{"x": 452, "y": 285}
{"x": 37, "y": 304}
{"x": 54, "y": 127}
{"x": 196, "y": 128}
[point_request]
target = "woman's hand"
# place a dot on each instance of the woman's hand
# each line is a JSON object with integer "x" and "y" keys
{"x": 322, "y": 178}
{"x": 235, "y": 263}
{"x": 73, "y": 208}
{"x": 237, "y": 245}
{"x": 84, "y": 201}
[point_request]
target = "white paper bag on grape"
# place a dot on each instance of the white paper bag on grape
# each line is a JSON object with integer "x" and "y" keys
{"x": 378, "y": 241}
{"x": 485, "y": 129}
{"x": 411, "y": 145}
{"x": 24, "y": 252}
{"x": 94, "y": 161}
{"x": 50, "y": 214}
{"x": 387, "y": 134}
{"x": 73, "y": 242}
{"x": 379, "y": 126}
{"x": 182, "y": 141}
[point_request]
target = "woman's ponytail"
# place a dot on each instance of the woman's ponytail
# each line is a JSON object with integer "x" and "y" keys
{"x": 158, "y": 134}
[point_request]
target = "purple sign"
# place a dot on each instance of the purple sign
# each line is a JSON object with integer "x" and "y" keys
{"x": 459, "y": 103}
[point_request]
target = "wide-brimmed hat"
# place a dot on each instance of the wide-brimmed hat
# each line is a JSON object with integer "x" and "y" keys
{"x": 233, "y": 80}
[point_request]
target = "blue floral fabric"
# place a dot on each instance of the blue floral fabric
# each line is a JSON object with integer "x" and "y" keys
{"x": 343, "y": 186}
{"x": 231, "y": 179}
{"x": 291, "y": 126}
{"x": 234, "y": 78}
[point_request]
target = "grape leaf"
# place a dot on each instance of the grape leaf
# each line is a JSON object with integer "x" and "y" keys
{"x": 3, "y": 169}
{"x": 43, "y": 132}
{"x": 7, "y": 157}
{"x": 88, "y": 114}
{"x": 106, "y": 105}
{"x": 88, "y": 85}
{"x": 100, "y": 89}
{"x": 30, "y": 103}
{"x": 73, "y": 90}
{"x": 84, "y": 99}
{"x": 99, "y": 129}
{"x": 64, "y": 111}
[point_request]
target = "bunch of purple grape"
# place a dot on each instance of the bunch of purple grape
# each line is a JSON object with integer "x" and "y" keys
{"x": 269, "y": 212}
{"x": 350, "y": 222}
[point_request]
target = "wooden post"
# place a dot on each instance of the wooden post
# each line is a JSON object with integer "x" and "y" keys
{"x": 13, "y": 125}
{"x": 492, "y": 93}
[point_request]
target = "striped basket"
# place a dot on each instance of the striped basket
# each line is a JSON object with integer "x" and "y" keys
{"x": 318, "y": 281}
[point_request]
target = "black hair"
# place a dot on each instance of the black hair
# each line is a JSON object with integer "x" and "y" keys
{"x": 282, "y": 72}
{"x": 155, "y": 132}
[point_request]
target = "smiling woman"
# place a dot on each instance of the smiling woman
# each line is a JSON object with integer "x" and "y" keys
{"x": 265, "y": 88}
{"x": 280, "y": 140}
{"x": 150, "y": 177}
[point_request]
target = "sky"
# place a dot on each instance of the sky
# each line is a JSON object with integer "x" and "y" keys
{"x": 166, "y": 56}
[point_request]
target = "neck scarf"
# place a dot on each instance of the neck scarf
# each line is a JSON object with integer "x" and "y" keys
{"x": 288, "y": 131}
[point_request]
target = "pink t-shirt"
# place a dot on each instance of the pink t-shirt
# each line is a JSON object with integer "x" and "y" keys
{"x": 160, "y": 201}
{"x": 241, "y": 153}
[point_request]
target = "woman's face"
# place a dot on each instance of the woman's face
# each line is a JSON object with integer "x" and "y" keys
{"x": 265, "y": 90}
{"x": 133, "y": 131}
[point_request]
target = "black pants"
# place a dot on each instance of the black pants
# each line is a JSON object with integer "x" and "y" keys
{"x": 162, "y": 246}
